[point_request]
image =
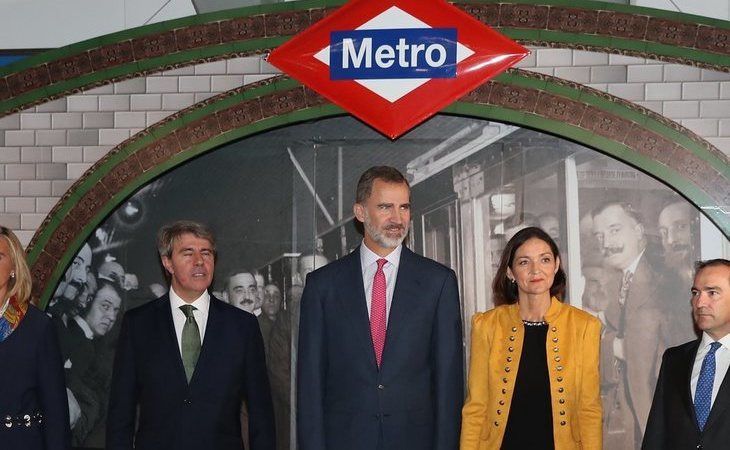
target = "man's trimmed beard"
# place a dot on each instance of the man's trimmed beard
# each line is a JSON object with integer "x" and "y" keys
{"x": 380, "y": 237}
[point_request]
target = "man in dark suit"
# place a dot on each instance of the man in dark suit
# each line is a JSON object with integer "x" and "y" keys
{"x": 380, "y": 363}
{"x": 691, "y": 407}
{"x": 187, "y": 360}
{"x": 636, "y": 325}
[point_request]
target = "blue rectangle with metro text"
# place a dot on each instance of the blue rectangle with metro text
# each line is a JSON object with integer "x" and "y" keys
{"x": 393, "y": 54}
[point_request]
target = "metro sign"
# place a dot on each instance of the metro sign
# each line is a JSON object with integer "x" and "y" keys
{"x": 395, "y": 63}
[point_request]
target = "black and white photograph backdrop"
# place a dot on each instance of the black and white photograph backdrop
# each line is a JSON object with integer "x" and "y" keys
{"x": 280, "y": 205}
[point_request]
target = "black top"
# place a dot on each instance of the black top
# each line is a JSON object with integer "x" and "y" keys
{"x": 530, "y": 423}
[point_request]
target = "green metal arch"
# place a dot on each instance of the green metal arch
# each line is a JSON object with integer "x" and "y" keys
{"x": 279, "y": 102}
{"x": 691, "y": 165}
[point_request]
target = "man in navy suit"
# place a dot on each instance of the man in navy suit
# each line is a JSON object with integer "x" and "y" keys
{"x": 691, "y": 407}
{"x": 380, "y": 363}
{"x": 181, "y": 401}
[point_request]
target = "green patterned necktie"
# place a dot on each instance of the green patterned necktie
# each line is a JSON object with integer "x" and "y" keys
{"x": 190, "y": 341}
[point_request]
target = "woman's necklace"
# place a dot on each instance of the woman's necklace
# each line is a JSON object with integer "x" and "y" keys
{"x": 532, "y": 323}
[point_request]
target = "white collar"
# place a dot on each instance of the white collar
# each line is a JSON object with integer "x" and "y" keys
{"x": 201, "y": 303}
{"x": 707, "y": 340}
{"x": 84, "y": 327}
{"x": 634, "y": 264}
{"x": 368, "y": 256}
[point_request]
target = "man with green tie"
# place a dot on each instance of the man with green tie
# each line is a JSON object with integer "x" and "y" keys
{"x": 187, "y": 360}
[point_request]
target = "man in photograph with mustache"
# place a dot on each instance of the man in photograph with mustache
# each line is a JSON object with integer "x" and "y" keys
{"x": 242, "y": 291}
{"x": 636, "y": 324}
{"x": 380, "y": 363}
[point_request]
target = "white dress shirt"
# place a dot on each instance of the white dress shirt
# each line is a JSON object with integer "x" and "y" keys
{"x": 369, "y": 265}
{"x": 722, "y": 362}
{"x": 201, "y": 304}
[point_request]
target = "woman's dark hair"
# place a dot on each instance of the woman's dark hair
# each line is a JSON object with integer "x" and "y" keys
{"x": 503, "y": 290}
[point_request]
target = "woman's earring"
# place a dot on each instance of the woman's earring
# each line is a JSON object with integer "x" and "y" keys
{"x": 12, "y": 274}
{"x": 512, "y": 280}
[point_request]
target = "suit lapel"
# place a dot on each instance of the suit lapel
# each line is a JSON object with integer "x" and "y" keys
{"x": 168, "y": 339}
{"x": 212, "y": 341}
{"x": 406, "y": 291}
{"x": 351, "y": 295}
{"x": 641, "y": 287}
{"x": 685, "y": 366}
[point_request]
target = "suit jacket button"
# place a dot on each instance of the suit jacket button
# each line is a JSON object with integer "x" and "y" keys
{"x": 509, "y": 359}
{"x": 511, "y": 349}
{"x": 561, "y": 390}
{"x": 514, "y": 329}
{"x": 562, "y": 423}
{"x": 511, "y": 338}
{"x": 381, "y": 387}
{"x": 187, "y": 401}
{"x": 501, "y": 402}
{"x": 496, "y": 424}
{"x": 506, "y": 369}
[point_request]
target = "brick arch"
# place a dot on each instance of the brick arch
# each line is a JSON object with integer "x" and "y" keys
{"x": 584, "y": 25}
{"x": 625, "y": 131}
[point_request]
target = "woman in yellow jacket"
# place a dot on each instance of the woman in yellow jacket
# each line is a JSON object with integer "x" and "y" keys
{"x": 533, "y": 381}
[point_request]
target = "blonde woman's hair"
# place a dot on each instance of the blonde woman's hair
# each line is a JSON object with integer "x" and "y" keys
{"x": 21, "y": 284}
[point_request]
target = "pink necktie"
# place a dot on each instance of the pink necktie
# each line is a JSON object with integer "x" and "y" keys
{"x": 377, "y": 311}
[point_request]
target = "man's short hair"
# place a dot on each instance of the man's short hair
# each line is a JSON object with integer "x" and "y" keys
{"x": 628, "y": 209}
{"x": 385, "y": 173}
{"x": 717, "y": 262}
{"x": 168, "y": 233}
{"x": 233, "y": 273}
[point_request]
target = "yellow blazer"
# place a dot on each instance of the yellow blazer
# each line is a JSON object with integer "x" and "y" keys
{"x": 573, "y": 353}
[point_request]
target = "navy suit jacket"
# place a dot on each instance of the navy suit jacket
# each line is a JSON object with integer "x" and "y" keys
{"x": 414, "y": 401}
{"x": 31, "y": 380}
{"x": 672, "y": 422}
{"x": 175, "y": 415}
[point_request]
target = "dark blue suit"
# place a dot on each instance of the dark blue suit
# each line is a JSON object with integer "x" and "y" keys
{"x": 672, "y": 421}
{"x": 148, "y": 371}
{"x": 32, "y": 380}
{"x": 414, "y": 401}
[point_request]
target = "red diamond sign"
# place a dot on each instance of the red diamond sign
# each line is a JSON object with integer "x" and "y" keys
{"x": 394, "y": 63}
